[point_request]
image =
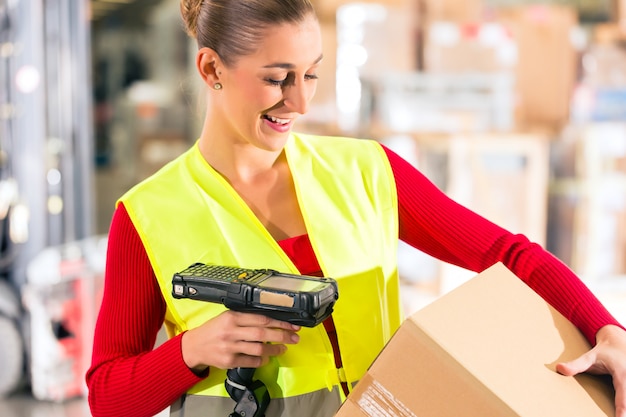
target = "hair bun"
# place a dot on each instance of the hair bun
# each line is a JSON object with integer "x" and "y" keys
{"x": 190, "y": 10}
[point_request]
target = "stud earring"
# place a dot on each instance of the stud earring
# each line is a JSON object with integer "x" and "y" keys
{"x": 217, "y": 86}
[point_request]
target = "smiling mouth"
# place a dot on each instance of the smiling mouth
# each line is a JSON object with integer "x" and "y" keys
{"x": 276, "y": 120}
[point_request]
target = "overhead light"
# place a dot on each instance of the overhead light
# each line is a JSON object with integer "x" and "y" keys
{"x": 27, "y": 79}
{"x": 18, "y": 224}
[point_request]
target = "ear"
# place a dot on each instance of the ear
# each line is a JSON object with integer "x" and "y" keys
{"x": 208, "y": 63}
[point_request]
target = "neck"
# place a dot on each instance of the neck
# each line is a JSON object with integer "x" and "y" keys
{"x": 240, "y": 162}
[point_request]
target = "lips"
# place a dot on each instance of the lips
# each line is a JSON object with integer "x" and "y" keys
{"x": 277, "y": 124}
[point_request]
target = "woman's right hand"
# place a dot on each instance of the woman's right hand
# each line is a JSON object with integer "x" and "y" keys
{"x": 236, "y": 340}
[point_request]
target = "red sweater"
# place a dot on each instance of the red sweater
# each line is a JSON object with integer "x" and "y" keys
{"x": 128, "y": 376}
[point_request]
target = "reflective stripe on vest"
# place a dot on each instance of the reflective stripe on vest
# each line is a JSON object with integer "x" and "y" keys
{"x": 316, "y": 404}
{"x": 188, "y": 213}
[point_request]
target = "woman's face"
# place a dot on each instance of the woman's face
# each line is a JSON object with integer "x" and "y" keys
{"x": 265, "y": 92}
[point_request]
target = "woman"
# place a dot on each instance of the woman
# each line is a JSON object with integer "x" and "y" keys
{"x": 252, "y": 193}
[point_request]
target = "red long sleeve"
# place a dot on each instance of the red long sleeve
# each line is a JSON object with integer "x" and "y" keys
{"x": 128, "y": 377}
{"x": 433, "y": 223}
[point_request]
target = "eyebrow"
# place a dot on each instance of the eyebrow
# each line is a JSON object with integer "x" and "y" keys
{"x": 285, "y": 65}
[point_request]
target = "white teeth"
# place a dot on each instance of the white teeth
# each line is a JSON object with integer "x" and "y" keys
{"x": 277, "y": 120}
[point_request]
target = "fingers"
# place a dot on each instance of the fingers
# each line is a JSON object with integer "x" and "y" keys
{"x": 235, "y": 339}
{"x": 255, "y": 354}
{"x": 260, "y": 349}
{"x": 579, "y": 365}
{"x": 608, "y": 356}
{"x": 257, "y": 320}
{"x": 255, "y": 338}
{"x": 620, "y": 397}
{"x": 265, "y": 335}
{"x": 612, "y": 342}
{"x": 257, "y": 328}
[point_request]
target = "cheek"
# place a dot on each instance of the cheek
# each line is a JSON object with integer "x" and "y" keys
{"x": 260, "y": 96}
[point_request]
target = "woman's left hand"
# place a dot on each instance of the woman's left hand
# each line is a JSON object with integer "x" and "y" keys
{"x": 608, "y": 356}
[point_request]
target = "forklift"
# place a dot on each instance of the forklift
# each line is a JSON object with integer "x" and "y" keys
{"x": 46, "y": 157}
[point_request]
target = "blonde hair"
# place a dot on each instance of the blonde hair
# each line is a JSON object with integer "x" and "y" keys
{"x": 189, "y": 10}
{"x": 233, "y": 28}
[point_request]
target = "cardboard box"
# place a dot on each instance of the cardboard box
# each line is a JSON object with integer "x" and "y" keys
{"x": 469, "y": 48}
{"x": 547, "y": 62}
{"x": 487, "y": 348}
{"x": 588, "y": 200}
{"x": 454, "y": 10}
{"x": 326, "y": 10}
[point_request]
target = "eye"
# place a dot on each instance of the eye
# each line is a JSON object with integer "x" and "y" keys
{"x": 289, "y": 78}
{"x": 276, "y": 83}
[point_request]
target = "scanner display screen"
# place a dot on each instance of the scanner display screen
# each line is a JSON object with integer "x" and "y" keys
{"x": 289, "y": 284}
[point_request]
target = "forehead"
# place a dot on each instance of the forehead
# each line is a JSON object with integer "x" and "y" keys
{"x": 293, "y": 43}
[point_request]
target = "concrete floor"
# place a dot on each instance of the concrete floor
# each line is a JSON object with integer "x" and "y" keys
{"x": 22, "y": 404}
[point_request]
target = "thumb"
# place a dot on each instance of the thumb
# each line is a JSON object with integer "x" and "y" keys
{"x": 574, "y": 367}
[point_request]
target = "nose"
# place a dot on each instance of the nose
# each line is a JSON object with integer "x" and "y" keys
{"x": 298, "y": 96}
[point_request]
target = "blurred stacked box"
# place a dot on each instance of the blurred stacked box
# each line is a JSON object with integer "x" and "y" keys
{"x": 590, "y": 181}
{"x": 587, "y": 216}
{"x": 531, "y": 44}
{"x": 587, "y": 200}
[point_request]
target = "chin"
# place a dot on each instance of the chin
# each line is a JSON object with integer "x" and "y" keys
{"x": 274, "y": 142}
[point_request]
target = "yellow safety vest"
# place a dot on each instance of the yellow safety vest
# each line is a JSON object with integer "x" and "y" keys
{"x": 188, "y": 213}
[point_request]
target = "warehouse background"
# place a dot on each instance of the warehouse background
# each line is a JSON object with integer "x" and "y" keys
{"x": 515, "y": 109}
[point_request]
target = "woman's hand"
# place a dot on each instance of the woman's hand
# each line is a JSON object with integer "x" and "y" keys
{"x": 236, "y": 340}
{"x": 608, "y": 356}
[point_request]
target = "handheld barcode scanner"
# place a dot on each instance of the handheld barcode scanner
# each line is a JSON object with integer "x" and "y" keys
{"x": 298, "y": 299}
